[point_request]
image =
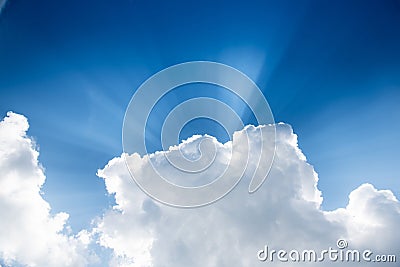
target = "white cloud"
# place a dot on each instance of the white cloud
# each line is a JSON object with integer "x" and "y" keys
{"x": 29, "y": 234}
{"x": 284, "y": 214}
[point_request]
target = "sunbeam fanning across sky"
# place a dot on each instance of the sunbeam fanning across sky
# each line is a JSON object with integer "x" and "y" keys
{"x": 297, "y": 150}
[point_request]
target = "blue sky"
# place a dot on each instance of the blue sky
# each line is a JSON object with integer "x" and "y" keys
{"x": 330, "y": 69}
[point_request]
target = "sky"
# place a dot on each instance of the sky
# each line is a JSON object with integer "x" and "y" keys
{"x": 328, "y": 69}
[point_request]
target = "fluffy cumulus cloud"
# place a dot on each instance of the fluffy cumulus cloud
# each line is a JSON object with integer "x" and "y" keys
{"x": 284, "y": 214}
{"x": 30, "y": 234}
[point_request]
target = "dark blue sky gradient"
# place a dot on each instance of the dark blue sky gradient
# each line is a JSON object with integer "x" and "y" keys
{"x": 329, "y": 68}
